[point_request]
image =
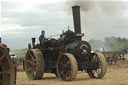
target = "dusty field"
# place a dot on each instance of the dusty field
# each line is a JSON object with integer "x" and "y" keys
{"x": 116, "y": 75}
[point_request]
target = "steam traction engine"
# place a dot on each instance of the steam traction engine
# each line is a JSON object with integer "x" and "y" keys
{"x": 7, "y": 69}
{"x": 64, "y": 56}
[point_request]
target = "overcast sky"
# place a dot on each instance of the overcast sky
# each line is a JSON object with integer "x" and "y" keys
{"x": 21, "y": 20}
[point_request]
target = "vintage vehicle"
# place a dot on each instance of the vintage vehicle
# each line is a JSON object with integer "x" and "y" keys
{"x": 64, "y": 56}
{"x": 7, "y": 67}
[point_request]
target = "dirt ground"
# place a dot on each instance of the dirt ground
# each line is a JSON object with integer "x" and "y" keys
{"x": 116, "y": 75}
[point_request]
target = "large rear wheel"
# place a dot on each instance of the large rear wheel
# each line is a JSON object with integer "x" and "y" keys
{"x": 67, "y": 67}
{"x": 99, "y": 72}
{"x": 7, "y": 73}
{"x": 34, "y": 64}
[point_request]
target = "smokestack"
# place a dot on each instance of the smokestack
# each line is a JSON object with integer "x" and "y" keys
{"x": 33, "y": 42}
{"x": 0, "y": 40}
{"x": 76, "y": 19}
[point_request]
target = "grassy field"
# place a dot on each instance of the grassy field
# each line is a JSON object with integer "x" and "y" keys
{"x": 20, "y": 52}
{"x": 116, "y": 75}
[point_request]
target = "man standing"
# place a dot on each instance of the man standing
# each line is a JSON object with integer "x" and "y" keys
{"x": 42, "y": 36}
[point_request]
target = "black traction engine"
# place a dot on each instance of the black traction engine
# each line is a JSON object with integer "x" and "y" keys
{"x": 64, "y": 56}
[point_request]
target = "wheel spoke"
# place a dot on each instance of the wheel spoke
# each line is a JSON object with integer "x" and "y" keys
{"x": 67, "y": 75}
{"x": 2, "y": 57}
{"x": 34, "y": 68}
{"x": 29, "y": 69}
{"x": 66, "y": 60}
{"x": 30, "y": 62}
{"x": 31, "y": 55}
{"x": 62, "y": 72}
{"x": 61, "y": 63}
{"x": 64, "y": 75}
{"x": 34, "y": 64}
{"x": 67, "y": 66}
{"x": 34, "y": 60}
{"x": 33, "y": 73}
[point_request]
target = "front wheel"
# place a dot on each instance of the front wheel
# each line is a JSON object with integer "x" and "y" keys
{"x": 66, "y": 67}
{"x": 101, "y": 71}
{"x": 7, "y": 72}
{"x": 34, "y": 64}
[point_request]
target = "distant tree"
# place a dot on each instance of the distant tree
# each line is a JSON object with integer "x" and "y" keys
{"x": 116, "y": 44}
{"x": 20, "y": 59}
{"x": 109, "y": 44}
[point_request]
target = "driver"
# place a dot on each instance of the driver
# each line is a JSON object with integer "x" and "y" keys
{"x": 42, "y": 36}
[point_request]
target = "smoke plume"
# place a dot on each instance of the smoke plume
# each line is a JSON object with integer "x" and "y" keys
{"x": 107, "y": 7}
{"x": 98, "y": 18}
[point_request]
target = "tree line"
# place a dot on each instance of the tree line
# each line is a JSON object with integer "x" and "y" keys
{"x": 109, "y": 44}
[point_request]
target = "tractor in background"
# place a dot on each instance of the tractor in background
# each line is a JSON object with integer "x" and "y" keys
{"x": 7, "y": 67}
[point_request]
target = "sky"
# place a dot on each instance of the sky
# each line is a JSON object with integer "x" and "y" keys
{"x": 20, "y": 20}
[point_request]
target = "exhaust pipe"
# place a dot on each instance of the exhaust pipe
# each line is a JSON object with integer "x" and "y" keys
{"x": 33, "y": 42}
{"x": 76, "y": 17}
{"x": 77, "y": 22}
{"x": 0, "y": 40}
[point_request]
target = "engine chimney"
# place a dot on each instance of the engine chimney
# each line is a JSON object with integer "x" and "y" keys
{"x": 76, "y": 17}
{"x": 77, "y": 23}
{"x": 33, "y": 42}
{"x": 0, "y": 40}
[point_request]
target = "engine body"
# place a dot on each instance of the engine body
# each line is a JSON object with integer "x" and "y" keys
{"x": 68, "y": 42}
{"x": 64, "y": 56}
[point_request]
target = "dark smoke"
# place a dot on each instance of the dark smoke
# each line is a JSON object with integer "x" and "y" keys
{"x": 100, "y": 19}
{"x": 107, "y": 7}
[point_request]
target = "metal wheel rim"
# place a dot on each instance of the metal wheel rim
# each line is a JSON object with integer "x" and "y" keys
{"x": 65, "y": 68}
{"x": 30, "y": 64}
{"x": 97, "y": 71}
{"x": 6, "y": 68}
